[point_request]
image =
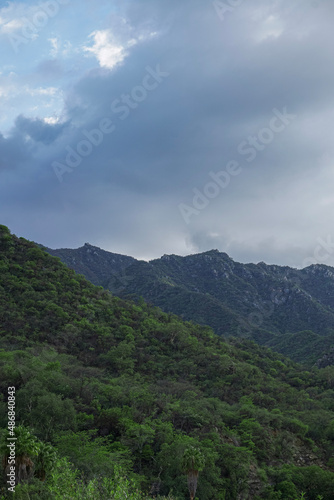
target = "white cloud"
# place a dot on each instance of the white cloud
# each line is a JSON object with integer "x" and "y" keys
{"x": 8, "y": 27}
{"x": 42, "y": 101}
{"x": 61, "y": 49}
{"x": 271, "y": 28}
{"x": 14, "y": 16}
{"x": 107, "y": 51}
{"x": 51, "y": 120}
{"x": 49, "y": 91}
{"x": 111, "y": 52}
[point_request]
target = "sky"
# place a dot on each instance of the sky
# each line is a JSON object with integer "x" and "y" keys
{"x": 151, "y": 127}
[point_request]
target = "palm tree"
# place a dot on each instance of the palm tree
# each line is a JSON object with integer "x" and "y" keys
{"x": 46, "y": 458}
{"x": 192, "y": 464}
{"x": 26, "y": 447}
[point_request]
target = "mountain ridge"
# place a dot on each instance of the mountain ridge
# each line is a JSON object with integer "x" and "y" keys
{"x": 134, "y": 387}
{"x": 266, "y": 303}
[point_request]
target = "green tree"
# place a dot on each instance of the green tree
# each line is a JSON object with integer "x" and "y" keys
{"x": 26, "y": 449}
{"x": 192, "y": 463}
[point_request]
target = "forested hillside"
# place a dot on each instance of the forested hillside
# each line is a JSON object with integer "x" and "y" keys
{"x": 138, "y": 400}
{"x": 289, "y": 310}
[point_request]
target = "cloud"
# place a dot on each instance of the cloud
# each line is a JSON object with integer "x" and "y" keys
{"x": 106, "y": 50}
{"x": 12, "y": 26}
{"x": 225, "y": 79}
{"x": 13, "y": 154}
{"x": 54, "y": 46}
{"x": 110, "y": 51}
{"x": 45, "y": 131}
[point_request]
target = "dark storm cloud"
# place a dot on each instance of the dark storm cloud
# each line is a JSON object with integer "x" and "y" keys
{"x": 38, "y": 130}
{"x": 13, "y": 153}
{"x": 225, "y": 79}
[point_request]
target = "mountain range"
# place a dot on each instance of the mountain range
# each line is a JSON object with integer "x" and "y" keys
{"x": 287, "y": 309}
{"x": 117, "y": 399}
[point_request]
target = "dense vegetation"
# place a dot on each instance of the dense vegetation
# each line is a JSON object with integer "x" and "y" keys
{"x": 117, "y": 399}
{"x": 272, "y": 305}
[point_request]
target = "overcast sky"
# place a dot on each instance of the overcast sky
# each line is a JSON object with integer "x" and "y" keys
{"x": 151, "y": 127}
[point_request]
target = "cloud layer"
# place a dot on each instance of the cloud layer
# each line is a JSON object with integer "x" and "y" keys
{"x": 155, "y": 100}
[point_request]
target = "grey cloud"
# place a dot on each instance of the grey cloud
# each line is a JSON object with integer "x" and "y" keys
{"x": 222, "y": 87}
{"x": 269, "y": 250}
{"x": 39, "y": 130}
{"x": 13, "y": 153}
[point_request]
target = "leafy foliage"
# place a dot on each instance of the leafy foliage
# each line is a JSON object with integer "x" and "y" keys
{"x": 289, "y": 310}
{"x": 123, "y": 391}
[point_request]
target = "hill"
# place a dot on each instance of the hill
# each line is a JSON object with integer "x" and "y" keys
{"x": 110, "y": 386}
{"x": 272, "y": 305}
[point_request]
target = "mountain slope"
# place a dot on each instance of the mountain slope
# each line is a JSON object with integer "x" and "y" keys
{"x": 268, "y": 304}
{"x": 127, "y": 384}
{"x": 95, "y": 264}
